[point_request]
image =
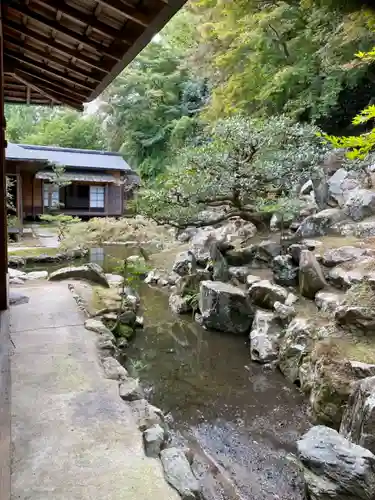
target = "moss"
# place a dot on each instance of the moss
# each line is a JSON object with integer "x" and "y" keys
{"x": 34, "y": 252}
{"x": 120, "y": 330}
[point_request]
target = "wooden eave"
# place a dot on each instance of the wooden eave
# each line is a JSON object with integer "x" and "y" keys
{"x": 68, "y": 51}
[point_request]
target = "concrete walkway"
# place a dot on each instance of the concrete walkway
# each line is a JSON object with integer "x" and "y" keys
{"x": 73, "y": 437}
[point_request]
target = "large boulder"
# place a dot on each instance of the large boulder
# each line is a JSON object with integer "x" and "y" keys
{"x": 296, "y": 343}
{"x": 352, "y": 273}
{"x": 341, "y": 185}
{"x": 225, "y": 307}
{"x": 319, "y": 224}
{"x": 360, "y": 204}
{"x": 153, "y": 440}
{"x": 358, "y": 421}
{"x": 356, "y": 317}
{"x": 311, "y": 278}
{"x": 337, "y": 256}
{"x": 263, "y": 293}
{"x": 267, "y": 250}
{"x": 178, "y": 473}
{"x": 332, "y": 381}
{"x": 284, "y": 313}
{"x": 334, "y": 468}
{"x": 90, "y": 272}
{"x": 285, "y": 272}
{"x": 264, "y": 337}
{"x": 234, "y": 229}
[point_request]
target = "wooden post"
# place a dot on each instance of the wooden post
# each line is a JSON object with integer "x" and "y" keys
{"x": 3, "y": 211}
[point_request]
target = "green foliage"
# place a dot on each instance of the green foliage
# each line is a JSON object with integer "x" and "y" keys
{"x": 245, "y": 165}
{"x": 359, "y": 146}
{"x": 267, "y": 58}
{"x": 51, "y": 126}
{"x": 60, "y": 221}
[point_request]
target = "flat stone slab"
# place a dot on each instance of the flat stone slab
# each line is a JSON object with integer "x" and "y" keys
{"x": 73, "y": 437}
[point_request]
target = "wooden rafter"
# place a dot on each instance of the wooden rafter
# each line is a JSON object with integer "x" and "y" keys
{"x": 54, "y": 96}
{"x": 52, "y": 85}
{"x": 48, "y": 57}
{"x": 89, "y": 19}
{"x": 48, "y": 70}
{"x": 54, "y": 44}
{"x": 130, "y": 12}
{"x": 55, "y": 25}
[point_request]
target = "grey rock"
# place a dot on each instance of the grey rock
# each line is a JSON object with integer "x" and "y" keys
{"x": 360, "y": 204}
{"x": 356, "y": 318}
{"x": 15, "y": 261}
{"x": 264, "y": 337}
{"x": 15, "y": 273}
{"x": 153, "y": 440}
{"x": 128, "y": 317}
{"x": 16, "y": 281}
{"x": 264, "y": 294}
{"x": 145, "y": 414}
{"x": 113, "y": 370}
{"x": 189, "y": 285}
{"x": 130, "y": 390}
{"x": 319, "y": 224}
{"x": 295, "y": 250}
{"x": 358, "y": 422}
{"x": 37, "y": 275}
{"x": 311, "y": 278}
{"x": 267, "y": 250}
{"x": 97, "y": 326}
{"x": 187, "y": 234}
{"x": 225, "y": 307}
{"x": 331, "y": 384}
{"x": 279, "y": 221}
{"x": 15, "y": 298}
{"x": 244, "y": 256}
{"x": 178, "y": 473}
{"x": 295, "y": 344}
{"x": 240, "y": 273}
{"x": 341, "y": 184}
{"x": 251, "y": 279}
{"x": 90, "y": 272}
{"x": 114, "y": 279}
{"x": 328, "y": 301}
{"x": 364, "y": 229}
{"x": 285, "y": 272}
{"x": 334, "y": 468}
{"x": 184, "y": 263}
{"x": 340, "y": 255}
{"x": 284, "y": 313}
{"x": 345, "y": 277}
{"x": 307, "y": 187}
{"x": 152, "y": 277}
{"x": 180, "y": 305}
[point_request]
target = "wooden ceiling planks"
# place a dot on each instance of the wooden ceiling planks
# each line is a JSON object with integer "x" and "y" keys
{"x": 67, "y": 52}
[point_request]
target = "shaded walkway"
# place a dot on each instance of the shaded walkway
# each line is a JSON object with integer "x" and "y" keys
{"x": 73, "y": 437}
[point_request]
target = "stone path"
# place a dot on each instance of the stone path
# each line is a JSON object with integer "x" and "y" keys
{"x": 73, "y": 437}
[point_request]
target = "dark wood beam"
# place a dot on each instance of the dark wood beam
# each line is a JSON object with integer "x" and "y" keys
{"x": 55, "y": 25}
{"x": 48, "y": 57}
{"x": 48, "y": 70}
{"x": 86, "y": 19}
{"x": 48, "y": 84}
{"x": 126, "y": 10}
{"x": 54, "y": 96}
{"x": 3, "y": 241}
{"x": 53, "y": 44}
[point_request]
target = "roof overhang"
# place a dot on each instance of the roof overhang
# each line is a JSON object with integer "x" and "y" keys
{"x": 67, "y": 52}
{"x": 78, "y": 177}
